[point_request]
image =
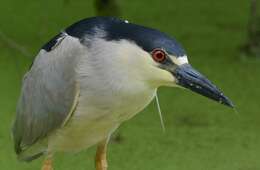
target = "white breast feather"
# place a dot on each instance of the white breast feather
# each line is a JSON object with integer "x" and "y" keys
{"x": 109, "y": 95}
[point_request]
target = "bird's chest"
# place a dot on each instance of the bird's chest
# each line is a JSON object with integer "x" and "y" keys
{"x": 129, "y": 106}
{"x": 98, "y": 115}
{"x": 113, "y": 107}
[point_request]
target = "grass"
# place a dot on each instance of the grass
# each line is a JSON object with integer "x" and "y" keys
{"x": 200, "y": 134}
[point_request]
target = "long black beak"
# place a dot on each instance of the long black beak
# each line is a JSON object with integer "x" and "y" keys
{"x": 191, "y": 79}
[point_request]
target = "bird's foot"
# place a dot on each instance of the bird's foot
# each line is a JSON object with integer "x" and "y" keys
{"x": 47, "y": 165}
{"x": 101, "y": 165}
{"x": 101, "y": 160}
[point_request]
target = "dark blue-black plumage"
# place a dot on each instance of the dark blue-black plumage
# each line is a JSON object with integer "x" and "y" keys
{"x": 116, "y": 29}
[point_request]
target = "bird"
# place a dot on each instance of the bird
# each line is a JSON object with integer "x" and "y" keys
{"x": 90, "y": 78}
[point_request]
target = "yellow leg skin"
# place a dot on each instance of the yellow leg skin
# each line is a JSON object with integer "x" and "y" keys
{"x": 47, "y": 164}
{"x": 101, "y": 156}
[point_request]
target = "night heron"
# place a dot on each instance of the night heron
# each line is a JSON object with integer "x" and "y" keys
{"x": 91, "y": 77}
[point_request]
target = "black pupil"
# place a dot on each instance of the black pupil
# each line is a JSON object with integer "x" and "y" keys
{"x": 159, "y": 55}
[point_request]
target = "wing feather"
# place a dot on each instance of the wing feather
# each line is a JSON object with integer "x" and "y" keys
{"x": 48, "y": 97}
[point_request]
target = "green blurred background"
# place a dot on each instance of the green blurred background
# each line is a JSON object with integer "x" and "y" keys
{"x": 200, "y": 134}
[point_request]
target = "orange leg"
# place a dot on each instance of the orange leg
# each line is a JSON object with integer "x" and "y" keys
{"x": 47, "y": 164}
{"x": 101, "y": 160}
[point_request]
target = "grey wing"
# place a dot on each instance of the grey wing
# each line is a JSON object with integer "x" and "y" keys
{"x": 48, "y": 97}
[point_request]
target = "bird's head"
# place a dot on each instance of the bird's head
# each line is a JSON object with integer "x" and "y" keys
{"x": 149, "y": 55}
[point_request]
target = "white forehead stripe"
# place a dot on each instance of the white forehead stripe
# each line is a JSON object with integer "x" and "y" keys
{"x": 180, "y": 60}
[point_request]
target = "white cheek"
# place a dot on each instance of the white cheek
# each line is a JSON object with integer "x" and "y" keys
{"x": 180, "y": 60}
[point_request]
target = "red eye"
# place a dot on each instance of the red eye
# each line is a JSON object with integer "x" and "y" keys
{"x": 158, "y": 55}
